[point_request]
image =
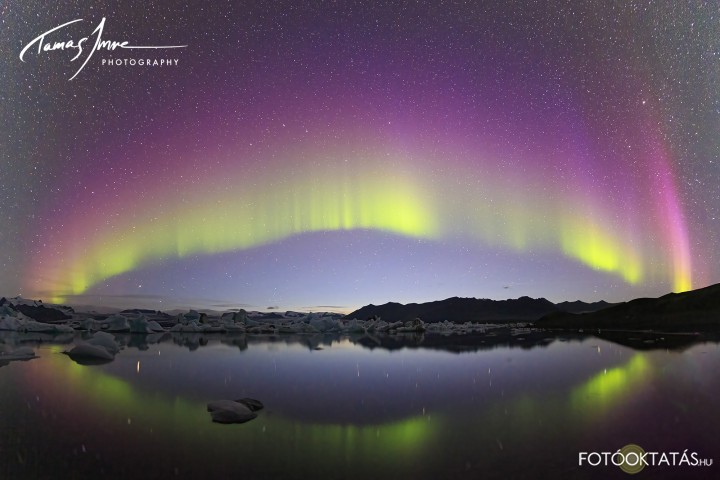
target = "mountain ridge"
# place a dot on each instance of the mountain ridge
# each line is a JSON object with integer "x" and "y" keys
{"x": 464, "y": 309}
{"x": 695, "y": 309}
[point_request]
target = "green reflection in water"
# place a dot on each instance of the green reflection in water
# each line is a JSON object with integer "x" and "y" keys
{"x": 403, "y": 437}
{"x": 550, "y": 415}
{"x": 609, "y": 387}
{"x": 130, "y": 411}
{"x": 492, "y": 432}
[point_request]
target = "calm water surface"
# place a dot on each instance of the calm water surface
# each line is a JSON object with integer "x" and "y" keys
{"x": 337, "y": 408}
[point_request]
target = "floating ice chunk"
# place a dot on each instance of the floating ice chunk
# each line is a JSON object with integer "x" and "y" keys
{"x": 356, "y": 326}
{"x": 235, "y": 328}
{"x": 412, "y": 326}
{"x": 20, "y": 353}
{"x": 394, "y": 326}
{"x": 101, "y": 347}
{"x": 206, "y": 328}
{"x": 377, "y": 325}
{"x": 186, "y": 328}
{"x": 117, "y": 323}
{"x": 90, "y": 324}
{"x": 33, "y": 326}
{"x": 306, "y": 328}
{"x": 323, "y": 324}
{"x": 105, "y": 340}
{"x": 193, "y": 327}
{"x": 240, "y": 316}
{"x": 155, "y": 326}
{"x": 299, "y": 327}
{"x": 138, "y": 325}
{"x": 263, "y": 328}
{"x": 21, "y": 323}
{"x": 230, "y": 324}
{"x": 9, "y": 323}
{"x": 142, "y": 325}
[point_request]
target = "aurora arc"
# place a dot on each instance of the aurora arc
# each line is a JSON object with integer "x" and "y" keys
{"x": 231, "y": 211}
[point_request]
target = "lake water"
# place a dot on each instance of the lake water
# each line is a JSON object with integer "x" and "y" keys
{"x": 357, "y": 408}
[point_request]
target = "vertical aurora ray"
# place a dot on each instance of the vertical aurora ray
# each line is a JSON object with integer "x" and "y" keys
{"x": 674, "y": 228}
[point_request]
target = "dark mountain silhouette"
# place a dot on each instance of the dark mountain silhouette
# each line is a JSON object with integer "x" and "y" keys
{"x": 461, "y": 310}
{"x": 582, "y": 307}
{"x": 693, "y": 310}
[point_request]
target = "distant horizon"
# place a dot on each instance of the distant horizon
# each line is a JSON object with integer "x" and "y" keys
{"x": 112, "y": 303}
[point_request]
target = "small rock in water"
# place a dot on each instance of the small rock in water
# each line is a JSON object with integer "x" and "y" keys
{"x": 251, "y": 403}
{"x": 88, "y": 350}
{"x": 229, "y": 411}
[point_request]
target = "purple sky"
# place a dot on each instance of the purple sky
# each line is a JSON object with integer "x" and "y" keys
{"x": 308, "y": 155}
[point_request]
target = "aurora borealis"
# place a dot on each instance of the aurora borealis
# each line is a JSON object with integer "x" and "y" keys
{"x": 315, "y": 154}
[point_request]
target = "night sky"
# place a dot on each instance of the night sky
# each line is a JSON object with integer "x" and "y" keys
{"x": 326, "y": 155}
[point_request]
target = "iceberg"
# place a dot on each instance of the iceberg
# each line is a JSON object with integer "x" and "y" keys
{"x": 20, "y": 353}
{"x": 355, "y": 326}
{"x": 90, "y": 324}
{"x": 9, "y": 323}
{"x": 101, "y": 348}
{"x": 116, "y": 323}
{"x": 412, "y": 326}
{"x": 231, "y": 324}
{"x": 323, "y": 324}
{"x": 21, "y": 323}
{"x": 105, "y": 340}
{"x": 142, "y": 325}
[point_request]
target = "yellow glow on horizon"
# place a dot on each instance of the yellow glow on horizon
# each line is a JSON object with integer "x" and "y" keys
{"x": 682, "y": 283}
{"x": 681, "y": 272}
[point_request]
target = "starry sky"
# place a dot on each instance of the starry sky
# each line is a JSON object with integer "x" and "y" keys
{"x": 326, "y": 155}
